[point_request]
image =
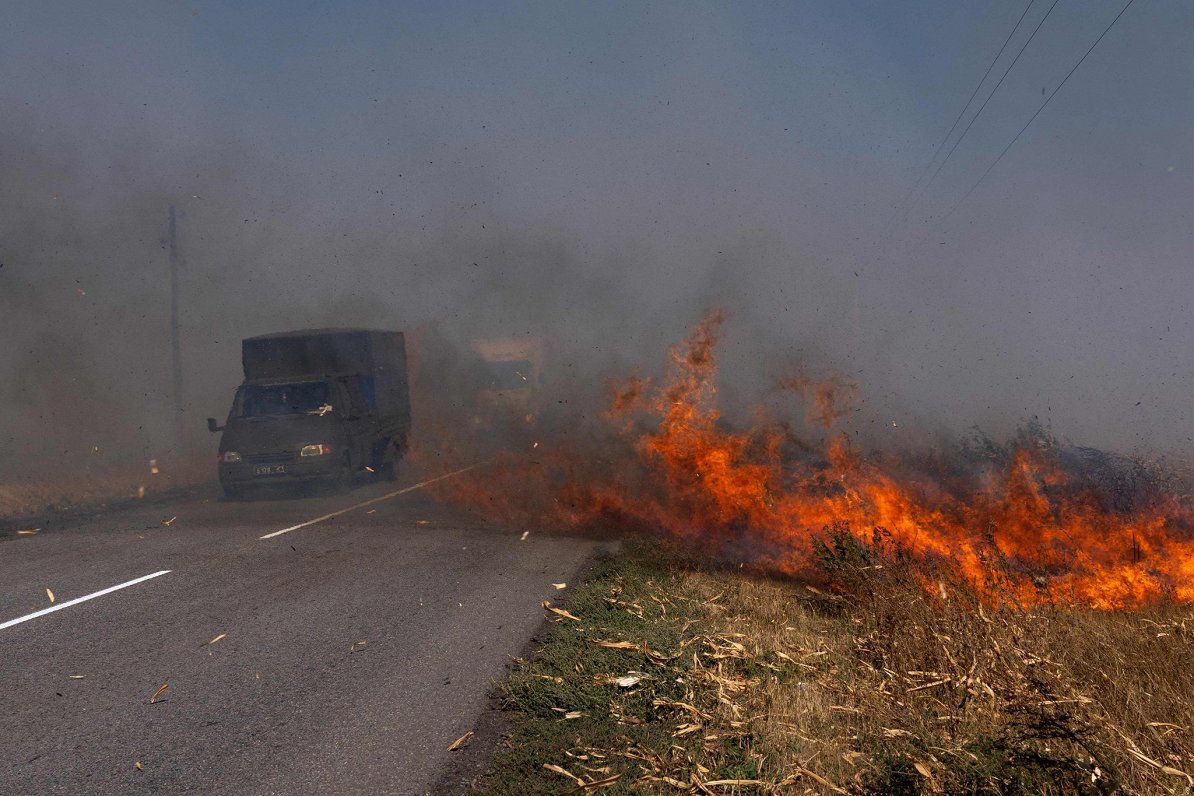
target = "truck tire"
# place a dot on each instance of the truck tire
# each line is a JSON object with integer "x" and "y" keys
{"x": 385, "y": 459}
{"x": 342, "y": 480}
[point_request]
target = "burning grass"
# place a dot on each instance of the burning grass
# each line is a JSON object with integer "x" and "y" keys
{"x": 1030, "y": 521}
{"x": 680, "y": 677}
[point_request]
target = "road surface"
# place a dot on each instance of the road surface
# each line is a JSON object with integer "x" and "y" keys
{"x": 351, "y": 652}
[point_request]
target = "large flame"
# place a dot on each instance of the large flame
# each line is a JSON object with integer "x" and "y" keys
{"x": 1025, "y": 531}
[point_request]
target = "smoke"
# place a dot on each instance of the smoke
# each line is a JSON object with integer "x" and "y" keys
{"x": 599, "y": 181}
{"x": 86, "y": 292}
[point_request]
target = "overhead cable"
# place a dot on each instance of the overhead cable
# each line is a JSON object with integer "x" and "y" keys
{"x": 1038, "y": 110}
{"x": 966, "y": 107}
{"x": 982, "y": 107}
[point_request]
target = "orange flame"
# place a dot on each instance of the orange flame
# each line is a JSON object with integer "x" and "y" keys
{"x": 697, "y": 480}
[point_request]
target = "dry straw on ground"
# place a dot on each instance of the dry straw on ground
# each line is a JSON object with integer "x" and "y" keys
{"x": 876, "y": 686}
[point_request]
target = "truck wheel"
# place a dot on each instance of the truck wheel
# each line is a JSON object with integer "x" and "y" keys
{"x": 385, "y": 457}
{"x": 343, "y": 477}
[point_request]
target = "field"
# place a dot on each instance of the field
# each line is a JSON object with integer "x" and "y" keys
{"x": 94, "y": 489}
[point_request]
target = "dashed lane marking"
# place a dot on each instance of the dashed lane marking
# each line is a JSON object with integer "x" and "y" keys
{"x": 77, "y": 600}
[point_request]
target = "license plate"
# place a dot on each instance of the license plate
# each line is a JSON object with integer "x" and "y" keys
{"x": 269, "y": 469}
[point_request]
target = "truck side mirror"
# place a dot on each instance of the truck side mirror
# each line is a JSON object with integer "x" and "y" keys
{"x": 211, "y": 425}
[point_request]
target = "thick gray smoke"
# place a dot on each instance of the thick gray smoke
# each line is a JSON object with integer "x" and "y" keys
{"x": 600, "y": 181}
{"x": 86, "y": 300}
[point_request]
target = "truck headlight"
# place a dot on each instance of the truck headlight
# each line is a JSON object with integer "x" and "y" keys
{"x": 315, "y": 450}
{"x": 228, "y": 457}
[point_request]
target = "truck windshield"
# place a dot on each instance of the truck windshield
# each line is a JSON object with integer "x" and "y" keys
{"x": 265, "y": 400}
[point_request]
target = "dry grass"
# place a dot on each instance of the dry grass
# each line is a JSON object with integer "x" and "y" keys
{"x": 95, "y": 488}
{"x": 940, "y": 694}
{"x": 876, "y": 686}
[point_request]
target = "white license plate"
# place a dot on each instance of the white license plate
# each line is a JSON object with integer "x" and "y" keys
{"x": 269, "y": 469}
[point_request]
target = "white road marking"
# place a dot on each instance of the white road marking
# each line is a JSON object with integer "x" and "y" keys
{"x": 387, "y": 496}
{"x": 78, "y": 600}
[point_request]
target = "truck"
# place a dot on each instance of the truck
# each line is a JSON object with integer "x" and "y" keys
{"x": 510, "y": 377}
{"x": 317, "y": 406}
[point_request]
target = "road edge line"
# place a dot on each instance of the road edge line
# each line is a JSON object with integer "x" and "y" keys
{"x": 371, "y": 501}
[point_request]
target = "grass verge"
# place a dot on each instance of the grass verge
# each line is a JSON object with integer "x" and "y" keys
{"x": 666, "y": 675}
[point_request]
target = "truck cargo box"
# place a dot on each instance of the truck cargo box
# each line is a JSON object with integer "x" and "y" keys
{"x": 379, "y": 357}
{"x": 319, "y": 352}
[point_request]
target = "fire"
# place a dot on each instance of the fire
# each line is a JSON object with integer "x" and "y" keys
{"x": 1026, "y": 531}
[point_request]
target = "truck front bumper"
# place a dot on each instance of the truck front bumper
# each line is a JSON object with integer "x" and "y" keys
{"x": 239, "y": 475}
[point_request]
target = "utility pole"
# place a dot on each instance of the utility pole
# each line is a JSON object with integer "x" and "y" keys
{"x": 175, "y": 342}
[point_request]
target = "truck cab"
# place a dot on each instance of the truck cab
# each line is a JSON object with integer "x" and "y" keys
{"x": 510, "y": 378}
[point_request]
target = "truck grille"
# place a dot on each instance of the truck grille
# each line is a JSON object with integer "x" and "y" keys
{"x": 271, "y": 458}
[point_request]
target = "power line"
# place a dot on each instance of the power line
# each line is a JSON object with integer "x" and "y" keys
{"x": 982, "y": 107}
{"x": 974, "y": 93}
{"x": 1038, "y": 110}
{"x": 965, "y": 108}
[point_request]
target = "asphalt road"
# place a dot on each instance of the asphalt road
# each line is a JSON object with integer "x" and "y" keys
{"x": 354, "y": 650}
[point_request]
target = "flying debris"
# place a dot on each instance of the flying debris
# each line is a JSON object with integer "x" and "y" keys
{"x": 157, "y": 694}
{"x": 461, "y": 742}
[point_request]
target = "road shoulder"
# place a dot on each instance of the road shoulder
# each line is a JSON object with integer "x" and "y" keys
{"x": 493, "y": 727}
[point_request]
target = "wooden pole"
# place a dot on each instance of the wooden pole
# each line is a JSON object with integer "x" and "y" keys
{"x": 175, "y": 341}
